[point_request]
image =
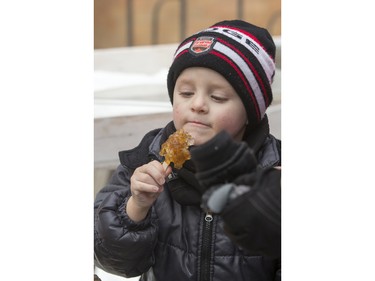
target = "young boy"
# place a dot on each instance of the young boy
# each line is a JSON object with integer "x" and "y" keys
{"x": 148, "y": 220}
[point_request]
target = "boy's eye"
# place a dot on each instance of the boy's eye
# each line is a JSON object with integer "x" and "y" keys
{"x": 186, "y": 94}
{"x": 219, "y": 98}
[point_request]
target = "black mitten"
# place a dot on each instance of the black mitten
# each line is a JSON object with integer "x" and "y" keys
{"x": 221, "y": 160}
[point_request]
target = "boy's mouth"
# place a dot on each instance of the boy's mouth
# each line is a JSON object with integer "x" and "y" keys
{"x": 198, "y": 124}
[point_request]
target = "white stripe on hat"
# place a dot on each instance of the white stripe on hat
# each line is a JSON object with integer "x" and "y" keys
{"x": 182, "y": 48}
{"x": 253, "y": 46}
{"x": 242, "y": 65}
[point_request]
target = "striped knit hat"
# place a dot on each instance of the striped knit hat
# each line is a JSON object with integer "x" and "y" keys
{"x": 241, "y": 52}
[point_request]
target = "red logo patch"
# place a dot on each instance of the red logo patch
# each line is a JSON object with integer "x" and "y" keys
{"x": 202, "y": 45}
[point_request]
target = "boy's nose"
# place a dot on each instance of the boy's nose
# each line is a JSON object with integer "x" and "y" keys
{"x": 199, "y": 104}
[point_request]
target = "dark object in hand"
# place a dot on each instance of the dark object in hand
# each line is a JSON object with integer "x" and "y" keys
{"x": 221, "y": 160}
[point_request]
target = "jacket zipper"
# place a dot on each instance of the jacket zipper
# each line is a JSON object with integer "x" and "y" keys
{"x": 206, "y": 248}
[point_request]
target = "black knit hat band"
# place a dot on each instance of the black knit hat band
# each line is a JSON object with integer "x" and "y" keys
{"x": 233, "y": 50}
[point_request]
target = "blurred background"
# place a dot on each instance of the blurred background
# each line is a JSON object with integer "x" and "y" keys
{"x": 134, "y": 42}
{"x": 120, "y": 23}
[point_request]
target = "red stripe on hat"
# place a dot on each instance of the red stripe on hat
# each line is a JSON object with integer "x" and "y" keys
{"x": 181, "y": 53}
{"x": 256, "y": 74}
{"x": 243, "y": 78}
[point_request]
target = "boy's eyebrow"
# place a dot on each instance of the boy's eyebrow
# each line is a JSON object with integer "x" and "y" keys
{"x": 219, "y": 86}
{"x": 185, "y": 80}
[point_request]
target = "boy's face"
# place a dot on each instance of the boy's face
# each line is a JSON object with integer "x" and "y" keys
{"x": 204, "y": 103}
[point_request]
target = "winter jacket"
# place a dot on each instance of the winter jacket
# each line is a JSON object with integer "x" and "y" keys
{"x": 177, "y": 240}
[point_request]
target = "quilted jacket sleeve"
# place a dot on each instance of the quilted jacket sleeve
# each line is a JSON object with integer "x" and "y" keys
{"x": 122, "y": 246}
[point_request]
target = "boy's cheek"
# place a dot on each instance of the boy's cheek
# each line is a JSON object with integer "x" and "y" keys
{"x": 177, "y": 117}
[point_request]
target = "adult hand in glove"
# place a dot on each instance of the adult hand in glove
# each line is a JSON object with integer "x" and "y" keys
{"x": 221, "y": 160}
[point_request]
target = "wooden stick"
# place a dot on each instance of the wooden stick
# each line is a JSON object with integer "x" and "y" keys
{"x": 165, "y": 165}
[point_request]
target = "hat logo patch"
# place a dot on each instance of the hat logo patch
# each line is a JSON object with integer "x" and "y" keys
{"x": 202, "y": 45}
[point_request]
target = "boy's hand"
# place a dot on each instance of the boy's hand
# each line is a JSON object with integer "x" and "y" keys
{"x": 146, "y": 184}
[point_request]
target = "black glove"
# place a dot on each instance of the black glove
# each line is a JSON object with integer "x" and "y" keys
{"x": 221, "y": 160}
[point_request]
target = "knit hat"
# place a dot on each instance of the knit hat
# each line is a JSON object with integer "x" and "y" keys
{"x": 244, "y": 54}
